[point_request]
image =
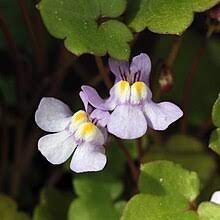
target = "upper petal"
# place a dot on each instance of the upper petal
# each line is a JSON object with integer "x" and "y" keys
{"x": 88, "y": 157}
{"x": 127, "y": 122}
{"x": 101, "y": 117}
{"x": 160, "y": 116}
{"x": 85, "y": 101}
{"x": 140, "y": 68}
{"x": 96, "y": 101}
{"x": 119, "y": 68}
{"x": 52, "y": 115}
{"x": 57, "y": 147}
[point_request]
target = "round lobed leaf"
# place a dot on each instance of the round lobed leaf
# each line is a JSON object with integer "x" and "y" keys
{"x": 216, "y": 112}
{"x": 209, "y": 211}
{"x": 214, "y": 142}
{"x": 83, "y": 26}
{"x": 163, "y": 16}
{"x": 167, "y": 178}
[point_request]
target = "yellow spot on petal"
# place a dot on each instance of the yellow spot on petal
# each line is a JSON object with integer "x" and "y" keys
{"x": 78, "y": 118}
{"x": 123, "y": 90}
{"x": 87, "y": 131}
{"x": 138, "y": 92}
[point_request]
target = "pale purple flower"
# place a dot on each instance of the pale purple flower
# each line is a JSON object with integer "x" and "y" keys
{"x": 131, "y": 100}
{"x": 216, "y": 197}
{"x": 81, "y": 134}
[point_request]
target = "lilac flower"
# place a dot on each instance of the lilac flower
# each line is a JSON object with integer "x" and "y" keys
{"x": 131, "y": 100}
{"x": 82, "y": 133}
{"x": 216, "y": 197}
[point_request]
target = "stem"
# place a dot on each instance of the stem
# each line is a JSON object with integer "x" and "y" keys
{"x": 4, "y": 151}
{"x": 131, "y": 164}
{"x": 139, "y": 149}
{"x": 169, "y": 62}
{"x": 103, "y": 72}
{"x": 188, "y": 85}
{"x": 17, "y": 157}
{"x": 31, "y": 33}
{"x": 14, "y": 54}
{"x": 174, "y": 51}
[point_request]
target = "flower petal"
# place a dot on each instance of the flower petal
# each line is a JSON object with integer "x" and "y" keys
{"x": 87, "y": 158}
{"x": 216, "y": 197}
{"x": 127, "y": 122}
{"x": 140, "y": 68}
{"x": 52, "y": 115}
{"x": 100, "y": 116}
{"x": 96, "y": 101}
{"x": 119, "y": 68}
{"x": 85, "y": 101}
{"x": 57, "y": 147}
{"x": 160, "y": 116}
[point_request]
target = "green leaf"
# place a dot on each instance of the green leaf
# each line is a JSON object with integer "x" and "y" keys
{"x": 216, "y": 112}
{"x": 187, "y": 151}
{"x": 92, "y": 209}
{"x": 82, "y": 24}
{"x": 151, "y": 207}
{"x": 209, "y": 211}
{"x": 86, "y": 185}
{"x": 166, "y": 190}
{"x": 8, "y": 210}
{"x": 96, "y": 194}
{"x": 214, "y": 142}
{"x": 53, "y": 205}
{"x": 184, "y": 144}
{"x": 167, "y": 178}
{"x": 166, "y": 17}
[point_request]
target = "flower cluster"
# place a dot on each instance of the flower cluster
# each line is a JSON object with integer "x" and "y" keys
{"x": 127, "y": 113}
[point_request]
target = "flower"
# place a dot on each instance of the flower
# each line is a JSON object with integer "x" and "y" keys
{"x": 81, "y": 134}
{"x": 216, "y": 197}
{"x": 131, "y": 100}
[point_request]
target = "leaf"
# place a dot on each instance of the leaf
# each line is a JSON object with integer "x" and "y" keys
{"x": 167, "y": 178}
{"x": 53, "y": 205}
{"x": 187, "y": 151}
{"x": 8, "y": 210}
{"x": 96, "y": 194}
{"x": 166, "y": 190}
{"x": 166, "y": 17}
{"x": 209, "y": 211}
{"x": 216, "y": 112}
{"x": 92, "y": 209}
{"x": 83, "y": 25}
{"x": 108, "y": 186}
{"x": 151, "y": 207}
{"x": 214, "y": 142}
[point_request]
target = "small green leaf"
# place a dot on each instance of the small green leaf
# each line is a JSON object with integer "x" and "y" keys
{"x": 86, "y": 185}
{"x": 53, "y": 205}
{"x": 187, "y": 151}
{"x": 209, "y": 211}
{"x": 96, "y": 194}
{"x": 151, "y": 207}
{"x": 216, "y": 112}
{"x": 83, "y": 25}
{"x": 92, "y": 209}
{"x": 166, "y": 17}
{"x": 214, "y": 142}
{"x": 8, "y": 210}
{"x": 167, "y": 178}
